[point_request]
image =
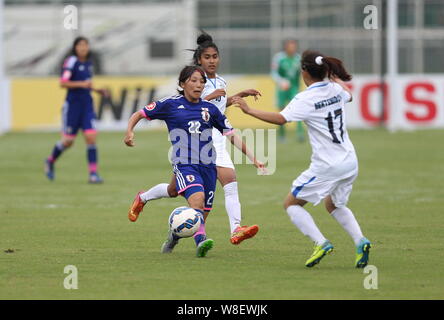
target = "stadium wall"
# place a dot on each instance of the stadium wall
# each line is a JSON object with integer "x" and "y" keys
{"x": 418, "y": 101}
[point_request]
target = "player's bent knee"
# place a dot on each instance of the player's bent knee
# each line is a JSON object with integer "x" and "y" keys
{"x": 68, "y": 143}
{"x": 172, "y": 192}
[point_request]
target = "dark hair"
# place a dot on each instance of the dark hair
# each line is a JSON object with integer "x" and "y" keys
{"x": 76, "y": 42}
{"x": 326, "y": 67}
{"x": 186, "y": 73}
{"x": 204, "y": 41}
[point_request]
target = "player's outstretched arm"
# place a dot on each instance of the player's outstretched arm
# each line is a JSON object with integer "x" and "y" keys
{"x": 267, "y": 116}
{"x": 133, "y": 120}
{"x": 239, "y": 143}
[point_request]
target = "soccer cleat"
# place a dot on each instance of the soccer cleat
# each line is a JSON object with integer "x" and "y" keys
{"x": 49, "y": 169}
{"x": 136, "y": 208}
{"x": 94, "y": 178}
{"x": 318, "y": 253}
{"x": 170, "y": 243}
{"x": 203, "y": 247}
{"x": 243, "y": 233}
{"x": 362, "y": 253}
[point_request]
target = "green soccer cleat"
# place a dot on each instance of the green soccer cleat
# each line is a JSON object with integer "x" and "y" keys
{"x": 362, "y": 253}
{"x": 318, "y": 253}
{"x": 204, "y": 247}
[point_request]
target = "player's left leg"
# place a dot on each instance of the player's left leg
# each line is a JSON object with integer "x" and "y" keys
{"x": 336, "y": 206}
{"x": 161, "y": 190}
{"x": 92, "y": 157}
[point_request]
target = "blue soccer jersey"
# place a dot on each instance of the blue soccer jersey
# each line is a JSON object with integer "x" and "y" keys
{"x": 75, "y": 70}
{"x": 190, "y": 127}
{"x": 78, "y": 110}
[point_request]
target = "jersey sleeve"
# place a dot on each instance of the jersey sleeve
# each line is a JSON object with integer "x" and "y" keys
{"x": 345, "y": 95}
{"x": 68, "y": 68}
{"x": 296, "y": 110}
{"x": 156, "y": 110}
{"x": 220, "y": 122}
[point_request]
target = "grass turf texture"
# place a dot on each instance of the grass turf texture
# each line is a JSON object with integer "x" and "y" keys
{"x": 45, "y": 226}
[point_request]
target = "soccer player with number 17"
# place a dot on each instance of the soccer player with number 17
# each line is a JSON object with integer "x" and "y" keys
{"x": 334, "y": 165}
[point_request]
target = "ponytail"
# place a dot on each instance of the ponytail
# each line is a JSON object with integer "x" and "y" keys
{"x": 319, "y": 66}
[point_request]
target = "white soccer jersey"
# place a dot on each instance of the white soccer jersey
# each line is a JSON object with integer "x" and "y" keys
{"x": 322, "y": 107}
{"x": 213, "y": 84}
{"x": 219, "y": 141}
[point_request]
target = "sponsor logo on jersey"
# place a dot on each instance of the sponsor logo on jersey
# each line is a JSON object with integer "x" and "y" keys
{"x": 181, "y": 107}
{"x": 190, "y": 178}
{"x": 151, "y": 106}
{"x": 205, "y": 114}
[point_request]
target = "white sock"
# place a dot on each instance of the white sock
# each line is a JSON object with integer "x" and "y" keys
{"x": 232, "y": 205}
{"x": 348, "y": 221}
{"x": 305, "y": 223}
{"x": 156, "y": 192}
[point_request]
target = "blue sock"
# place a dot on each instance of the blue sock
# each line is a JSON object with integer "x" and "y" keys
{"x": 92, "y": 158}
{"x": 56, "y": 152}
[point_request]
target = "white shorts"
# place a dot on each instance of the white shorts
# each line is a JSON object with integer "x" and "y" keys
{"x": 223, "y": 158}
{"x": 312, "y": 188}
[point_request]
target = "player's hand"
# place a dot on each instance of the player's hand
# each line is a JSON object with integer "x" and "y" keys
{"x": 216, "y": 94}
{"x": 261, "y": 167}
{"x": 284, "y": 85}
{"x": 103, "y": 92}
{"x": 87, "y": 84}
{"x": 241, "y": 103}
{"x": 251, "y": 92}
{"x": 129, "y": 139}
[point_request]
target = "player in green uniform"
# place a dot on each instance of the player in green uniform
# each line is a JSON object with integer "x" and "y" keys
{"x": 285, "y": 70}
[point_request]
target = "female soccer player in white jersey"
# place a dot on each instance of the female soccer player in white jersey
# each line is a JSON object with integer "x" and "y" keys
{"x": 334, "y": 165}
{"x": 206, "y": 55}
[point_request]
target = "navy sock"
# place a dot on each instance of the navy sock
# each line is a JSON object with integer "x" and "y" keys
{"x": 91, "y": 153}
{"x": 57, "y": 151}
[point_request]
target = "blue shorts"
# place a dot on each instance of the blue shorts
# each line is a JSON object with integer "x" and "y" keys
{"x": 192, "y": 178}
{"x": 78, "y": 115}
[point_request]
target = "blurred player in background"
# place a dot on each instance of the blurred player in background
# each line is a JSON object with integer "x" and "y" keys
{"x": 334, "y": 165}
{"x": 285, "y": 71}
{"x": 206, "y": 55}
{"x": 78, "y": 109}
{"x": 190, "y": 121}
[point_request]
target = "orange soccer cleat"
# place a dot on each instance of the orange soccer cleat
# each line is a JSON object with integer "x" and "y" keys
{"x": 242, "y": 233}
{"x": 136, "y": 208}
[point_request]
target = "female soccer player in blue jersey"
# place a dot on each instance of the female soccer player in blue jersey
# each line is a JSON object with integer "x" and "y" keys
{"x": 206, "y": 55}
{"x": 78, "y": 111}
{"x": 334, "y": 164}
{"x": 190, "y": 121}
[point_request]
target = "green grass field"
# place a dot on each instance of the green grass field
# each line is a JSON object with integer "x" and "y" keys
{"x": 398, "y": 200}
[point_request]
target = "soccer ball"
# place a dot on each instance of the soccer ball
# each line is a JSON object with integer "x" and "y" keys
{"x": 184, "y": 221}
